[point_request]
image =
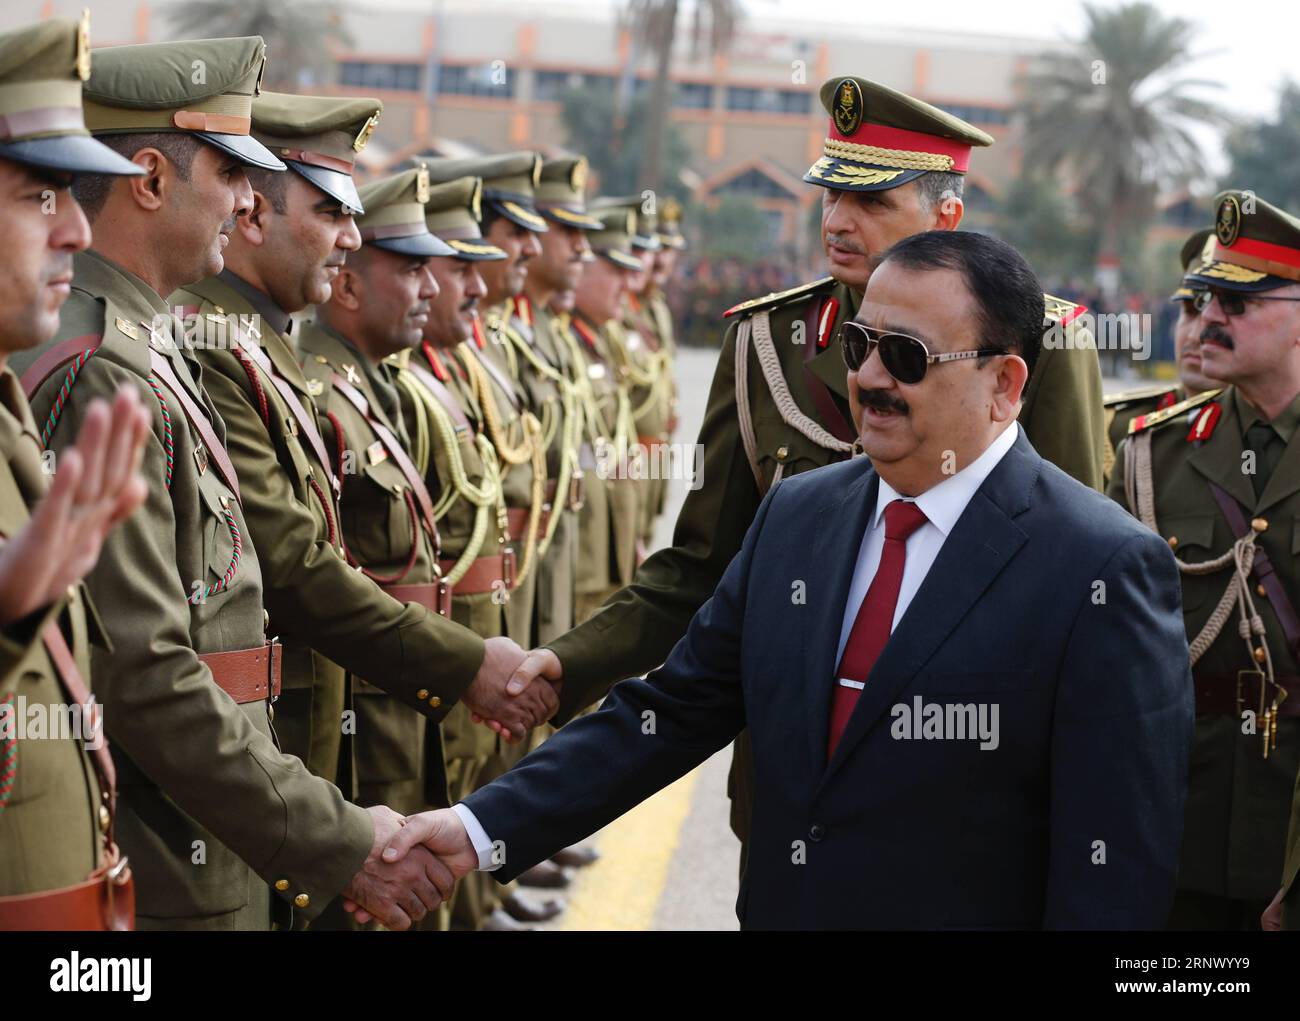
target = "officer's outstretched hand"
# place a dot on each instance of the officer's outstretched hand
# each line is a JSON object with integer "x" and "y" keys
{"x": 397, "y": 891}
{"x": 487, "y": 697}
{"x": 540, "y": 663}
{"x": 1271, "y": 919}
{"x": 97, "y": 483}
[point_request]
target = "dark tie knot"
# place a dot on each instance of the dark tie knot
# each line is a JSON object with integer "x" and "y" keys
{"x": 902, "y": 519}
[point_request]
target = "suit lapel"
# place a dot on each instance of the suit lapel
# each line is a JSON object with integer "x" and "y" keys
{"x": 981, "y": 544}
{"x": 839, "y": 531}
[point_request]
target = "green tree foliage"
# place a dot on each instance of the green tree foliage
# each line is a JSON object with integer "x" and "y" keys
{"x": 1265, "y": 155}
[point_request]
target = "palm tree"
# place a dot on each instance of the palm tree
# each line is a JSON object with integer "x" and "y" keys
{"x": 1117, "y": 115}
{"x": 298, "y": 35}
{"x": 654, "y": 29}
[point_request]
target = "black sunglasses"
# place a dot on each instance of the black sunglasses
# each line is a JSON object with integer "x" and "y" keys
{"x": 904, "y": 357}
{"x": 1232, "y": 303}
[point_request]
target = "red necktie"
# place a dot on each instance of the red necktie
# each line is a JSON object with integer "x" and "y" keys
{"x": 875, "y": 615}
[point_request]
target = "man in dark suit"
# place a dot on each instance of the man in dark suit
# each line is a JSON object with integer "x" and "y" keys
{"x": 964, "y": 672}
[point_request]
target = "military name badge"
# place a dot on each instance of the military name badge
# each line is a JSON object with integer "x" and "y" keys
{"x": 1227, "y": 222}
{"x": 848, "y": 107}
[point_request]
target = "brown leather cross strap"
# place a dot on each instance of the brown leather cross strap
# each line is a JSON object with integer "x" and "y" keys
{"x": 75, "y": 685}
{"x": 306, "y": 422}
{"x": 358, "y": 400}
{"x": 440, "y": 392}
{"x": 198, "y": 420}
{"x": 829, "y": 412}
{"x": 1262, "y": 570}
{"x": 503, "y": 381}
{"x": 64, "y": 351}
{"x": 247, "y": 675}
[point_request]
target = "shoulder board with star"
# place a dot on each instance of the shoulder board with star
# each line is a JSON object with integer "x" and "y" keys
{"x": 1058, "y": 310}
{"x": 1122, "y": 398}
{"x": 1173, "y": 413}
{"x": 778, "y": 298}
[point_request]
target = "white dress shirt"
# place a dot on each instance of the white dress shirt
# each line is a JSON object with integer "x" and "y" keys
{"x": 942, "y": 504}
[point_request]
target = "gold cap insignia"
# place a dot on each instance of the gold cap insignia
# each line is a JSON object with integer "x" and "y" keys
{"x": 578, "y": 179}
{"x": 83, "y": 45}
{"x": 363, "y": 136}
{"x": 476, "y": 199}
{"x": 847, "y": 113}
{"x": 1227, "y": 222}
{"x": 422, "y": 184}
{"x": 257, "y": 86}
{"x": 537, "y": 169}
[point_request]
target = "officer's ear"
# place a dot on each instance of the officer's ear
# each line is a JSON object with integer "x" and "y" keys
{"x": 148, "y": 191}
{"x": 252, "y": 226}
{"x": 948, "y": 212}
{"x": 345, "y": 291}
{"x": 1011, "y": 373}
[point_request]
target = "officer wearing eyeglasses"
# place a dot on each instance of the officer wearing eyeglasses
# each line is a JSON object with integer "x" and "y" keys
{"x": 1218, "y": 476}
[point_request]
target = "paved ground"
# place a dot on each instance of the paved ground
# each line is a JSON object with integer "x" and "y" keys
{"x": 671, "y": 863}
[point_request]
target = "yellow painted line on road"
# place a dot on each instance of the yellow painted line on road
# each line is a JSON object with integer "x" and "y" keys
{"x": 621, "y": 891}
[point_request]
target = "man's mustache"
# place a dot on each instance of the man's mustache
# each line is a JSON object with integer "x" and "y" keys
{"x": 881, "y": 400}
{"x": 1217, "y": 334}
{"x": 844, "y": 244}
{"x": 469, "y": 305}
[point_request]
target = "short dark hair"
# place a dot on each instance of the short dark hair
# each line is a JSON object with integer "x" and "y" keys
{"x": 91, "y": 190}
{"x": 1008, "y": 296}
{"x": 272, "y": 185}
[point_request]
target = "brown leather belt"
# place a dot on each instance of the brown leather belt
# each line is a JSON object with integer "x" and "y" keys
{"x": 1233, "y": 694}
{"x": 484, "y": 574}
{"x": 517, "y": 520}
{"x": 247, "y": 675}
{"x": 435, "y": 595}
{"x": 651, "y": 443}
{"x": 103, "y": 903}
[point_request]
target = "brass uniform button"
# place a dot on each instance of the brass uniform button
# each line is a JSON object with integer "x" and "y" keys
{"x": 266, "y": 619}
{"x": 302, "y": 901}
{"x": 422, "y": 694}
{"x": 1262, "y": 591}
{"x": 1259, "y": 524}
{"x": 435, "y": 702}
{"x": 1259, "y": 654}
{"x": 282, "y": 885}
{"x": 105, "y": 820}
{"x": 1173, "y": 542}
{"x": 782, "y": 453}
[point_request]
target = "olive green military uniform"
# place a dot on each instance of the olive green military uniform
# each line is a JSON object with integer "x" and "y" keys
{"x": 756, "y": 432}
{"x": 49, "y": 797}
{"x": 1122, "y": 407}
{"x": 1247, "y": 744}
{"x": 210, "y": 812}
{"x": 56, "y": 787}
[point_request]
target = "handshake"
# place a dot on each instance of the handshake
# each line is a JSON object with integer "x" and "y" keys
{"x": 414, "y": 862}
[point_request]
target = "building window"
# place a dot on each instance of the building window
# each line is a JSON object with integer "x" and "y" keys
{"x": 550, "y": 86}
{"x": 977, "y": 114}
{"x": 788, "y": 101}
{"x": 476, "y": 80}
{"x": 754, "y": 184}
{"x": 693, "y": 96}
{"x": 369, "y": 75}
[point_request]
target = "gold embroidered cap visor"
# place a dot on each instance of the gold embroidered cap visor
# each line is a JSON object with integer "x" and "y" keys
{"x": 203, "y": 87}
{"x": 394, "y": 216}
{"x": 560, "y": 197}
{"x": 1256, "y": 246}
{"x": 318, "y": 137}
{"x": 41, "y": 122}
{"x": 879, "y": 138}
{"x": 509, "y": 182}
{"x": 1196, "y": 251}
{"x": 613, "y": 240}
{"x": 452, "y": 212}
{"x": 642, "y": 233}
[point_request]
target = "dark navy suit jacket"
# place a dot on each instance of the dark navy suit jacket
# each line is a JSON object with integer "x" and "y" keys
{"x": 1046, "y": 600}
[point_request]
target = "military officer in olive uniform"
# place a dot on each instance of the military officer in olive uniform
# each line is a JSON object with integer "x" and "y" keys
{"x": 892, "y": 166}
{"x": 1122, "y": 408}
{"x": 1219, "y": 477}
{"x": 512, "y": 224}
{"x": 211, "y": 813}
{"x": 646, "y": 371}
{"x": 60, "y": 867}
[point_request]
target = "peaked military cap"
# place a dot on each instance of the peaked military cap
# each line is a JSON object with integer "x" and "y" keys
{"x": 670, "y": 224}
{"x": 394, "y": 216}
{"x": 318, "y": 137}
{"x": 509, "y": 183}
{"x": 453, "y": 211}
{"x": 880, "y": 139}
{"x": 1196, "y": 252}
{"x": 643, "y": 233}
{"x": 41, "y": 123}
{"x": 614, "y": 239}
{"x": 1256, "y": 245}
{"x": 561, "y": 193}
{"x": 203, "y": 87}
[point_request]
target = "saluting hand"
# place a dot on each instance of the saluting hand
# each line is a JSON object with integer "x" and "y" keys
{"x": 97, "y": 484}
